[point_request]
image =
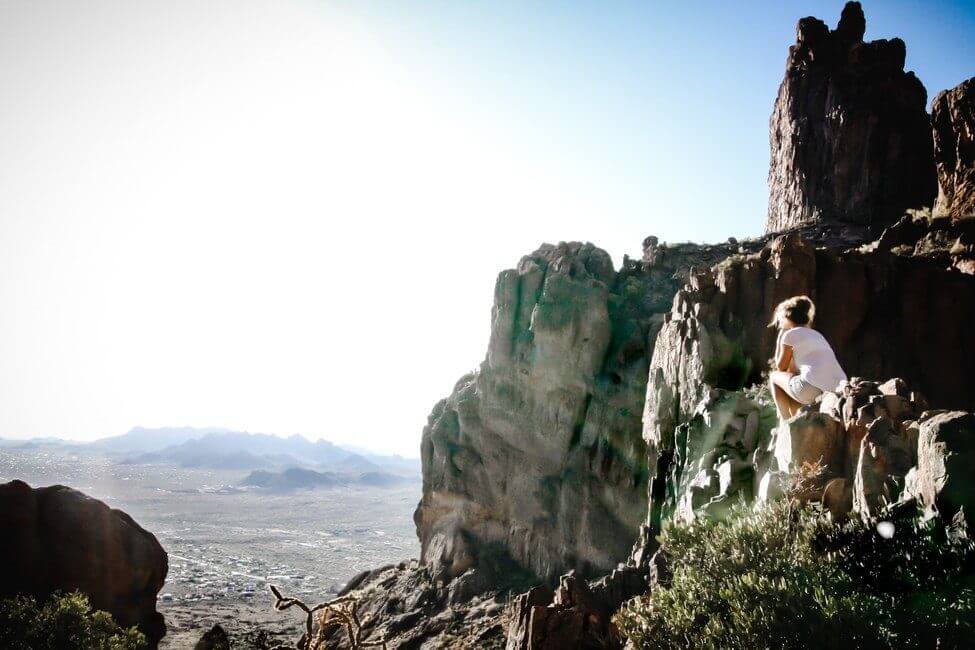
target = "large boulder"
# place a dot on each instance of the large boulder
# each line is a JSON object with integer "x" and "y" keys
{"x": 850, "y": 136}
{"x": 953, "y": 118}
{"x": 58, "y": 539}
{"x": 945, "y": 475}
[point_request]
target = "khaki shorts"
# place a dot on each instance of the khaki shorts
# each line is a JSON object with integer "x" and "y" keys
{"x": 802, "y": 391}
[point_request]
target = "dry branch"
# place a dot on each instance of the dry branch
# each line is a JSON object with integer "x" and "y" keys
{"x": 340, "y": 612}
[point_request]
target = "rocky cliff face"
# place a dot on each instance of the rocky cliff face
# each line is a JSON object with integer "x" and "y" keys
{"x": 544, "y": 404}
{"x": 850, "y": 136}
{"x": 56, "y": 538}
{"x": 536, "y": 460}
{"x": 889, "y": 308}
{"x": 953, "y": 117}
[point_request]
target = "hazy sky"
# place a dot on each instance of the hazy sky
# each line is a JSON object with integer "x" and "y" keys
{"x": 287, "y": 217}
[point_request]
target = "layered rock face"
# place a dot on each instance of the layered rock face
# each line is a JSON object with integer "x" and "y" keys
{"x": 56, "y": 538}
{"x": 850, "y": 135}
{"x": 537, "y": 458}
{"x": 888, "y": 309}
{"x": 953, "y": 118}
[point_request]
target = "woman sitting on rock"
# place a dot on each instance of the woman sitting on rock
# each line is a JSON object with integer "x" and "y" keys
{"x": 804, "y": 364}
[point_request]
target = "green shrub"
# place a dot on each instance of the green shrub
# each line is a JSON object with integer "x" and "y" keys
{"x": 63, "y": 622}
{"x": 788, "y": 577}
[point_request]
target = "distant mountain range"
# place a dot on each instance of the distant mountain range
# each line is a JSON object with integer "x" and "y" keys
{"x": 296, "y": 478}
{"x": 216, "y": 448}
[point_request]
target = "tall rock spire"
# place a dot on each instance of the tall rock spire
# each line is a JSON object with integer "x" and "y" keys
{"x": 953, "y": 114}
{"x": 850, "y": 137}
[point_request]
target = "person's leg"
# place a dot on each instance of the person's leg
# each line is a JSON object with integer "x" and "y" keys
{"x": 784, "y": 403}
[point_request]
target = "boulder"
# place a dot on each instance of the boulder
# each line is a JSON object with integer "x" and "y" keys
{"x": 850, "y": 136}
{"x": 887, "y": 454}
{"x": 945, "y": 476}
{"x": 58, "y": 539}
{"x": 811, "y": 440}
{"x": 953, "y": 119}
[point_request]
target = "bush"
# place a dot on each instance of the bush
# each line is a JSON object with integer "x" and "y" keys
{"x": 63, "y": 622}
{"x": 788, "y": 577}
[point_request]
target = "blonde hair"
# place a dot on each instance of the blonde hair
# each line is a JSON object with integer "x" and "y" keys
{"x": 799, "y": 309}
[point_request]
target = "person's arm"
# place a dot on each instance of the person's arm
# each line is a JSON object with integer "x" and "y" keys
{"x": 774, "y": 361}
{"x": 783, "y": 359}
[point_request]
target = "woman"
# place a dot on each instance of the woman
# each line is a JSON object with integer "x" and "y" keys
{"x": 804, "y": 364}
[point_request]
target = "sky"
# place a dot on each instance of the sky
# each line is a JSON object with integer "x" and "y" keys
{"x": 287, "y": 216}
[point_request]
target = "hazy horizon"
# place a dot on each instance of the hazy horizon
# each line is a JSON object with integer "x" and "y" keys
{"x": 287, "y": 217}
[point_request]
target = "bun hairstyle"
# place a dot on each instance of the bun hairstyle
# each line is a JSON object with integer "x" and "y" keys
{"x": 799, "y": 309}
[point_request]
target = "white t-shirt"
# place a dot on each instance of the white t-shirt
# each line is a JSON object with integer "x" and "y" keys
{"x": 814, "y": 358}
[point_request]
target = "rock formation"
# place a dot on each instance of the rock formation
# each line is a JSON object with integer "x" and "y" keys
{"x": 943, "y": 480}
{"x": 536, "y": 461}
{"x": 850, "y": 136}
{"x": 534, "y": 467}
{"x": 56, "y": 538}
{"x": 953, "y": 117}
{"x": 889, "y": 309}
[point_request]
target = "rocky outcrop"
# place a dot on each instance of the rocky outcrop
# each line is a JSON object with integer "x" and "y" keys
{"x": 576, "y": 615}
{"x": 850, "y": 136}
{"x": 889, "y": 309}
{"x": 862, "y": 442}
{"x": 56, "y": 538}
{"x": 953, "y": 118}
{"x": 408, "y": 607}
{"x": 535, "y": 462}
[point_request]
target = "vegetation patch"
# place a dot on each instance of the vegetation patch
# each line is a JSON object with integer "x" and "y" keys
{"x": 63, "y": 622}
{"x": 786, "y": 575}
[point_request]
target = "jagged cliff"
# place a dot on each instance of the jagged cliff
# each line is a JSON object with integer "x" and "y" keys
{"x": 850, "y": 137}
{"x": 536, "y": 461}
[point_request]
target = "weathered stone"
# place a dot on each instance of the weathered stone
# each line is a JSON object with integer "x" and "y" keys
{"x": 953, "y": 118}
{"x": 945, "y": 477}
{"x": 886, "y": 456}
{"x": 521, "y": 613}
{"x": 410, "y": 608}
{"x": 536, "y": 460}
{"x": 850, "y": 136}
{"x": 811, "y": 439}
{"x": 58, "y": 539}
{"x": 838, "y": 497}
{"x": 578, "y": 615}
